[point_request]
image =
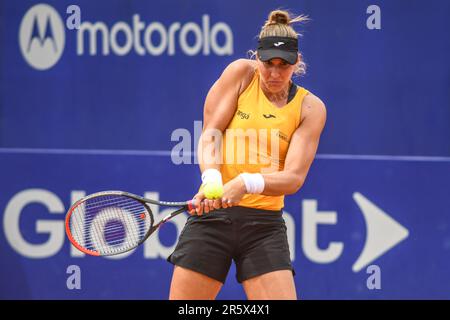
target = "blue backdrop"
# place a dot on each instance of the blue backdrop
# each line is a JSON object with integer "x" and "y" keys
{"x": 103, "y": 106}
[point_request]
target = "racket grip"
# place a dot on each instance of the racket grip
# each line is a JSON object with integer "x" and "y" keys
{"x": 190, "y": 205}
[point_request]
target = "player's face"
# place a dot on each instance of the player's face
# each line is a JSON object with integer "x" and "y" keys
{"x": 275, "y": 74}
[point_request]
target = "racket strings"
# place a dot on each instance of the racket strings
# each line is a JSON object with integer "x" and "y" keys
{"x": 95, "y": 204}
{"x": 127, "y": 232}
{"x": 109, "y": 223}
{"x": 113, "y": 207}
{"x": 138, "y": 215}
{"x": 136, "y": 210}
{"x": 116, "y": 232}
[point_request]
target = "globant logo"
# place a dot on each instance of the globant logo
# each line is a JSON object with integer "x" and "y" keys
{"x": 155, "y": 39}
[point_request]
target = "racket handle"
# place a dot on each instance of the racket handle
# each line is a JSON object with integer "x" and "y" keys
{"x": 190, "y": 205}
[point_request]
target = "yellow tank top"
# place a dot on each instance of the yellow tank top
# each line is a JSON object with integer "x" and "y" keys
{"x": 257, "y": 139}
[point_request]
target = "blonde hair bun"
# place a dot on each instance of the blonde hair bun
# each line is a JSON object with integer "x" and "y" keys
{"x": 279, "y": 16}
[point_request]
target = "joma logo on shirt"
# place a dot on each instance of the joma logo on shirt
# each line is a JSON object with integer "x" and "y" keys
{"x": 243, "y": 115}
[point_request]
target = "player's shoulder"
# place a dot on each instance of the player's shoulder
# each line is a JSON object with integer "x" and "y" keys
{"x": 240, "y": 68}
{"x": 313, "y": 107}
{"x": 242, "y": 65}
{"x": 312, "y": 99}
{"x": 241, "y": 72}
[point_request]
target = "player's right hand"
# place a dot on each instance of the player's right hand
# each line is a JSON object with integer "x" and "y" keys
{"x": 203, "y": 205}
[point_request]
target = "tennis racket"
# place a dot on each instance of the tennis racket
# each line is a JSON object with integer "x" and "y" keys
{"x": 113, "y": 222}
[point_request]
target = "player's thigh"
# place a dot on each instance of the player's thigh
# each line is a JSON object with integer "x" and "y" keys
{"x": 191, "y": 285}
{"x": 275, "y": 285}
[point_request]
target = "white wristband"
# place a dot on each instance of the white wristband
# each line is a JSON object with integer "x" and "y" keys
{"x": 211, "y": 175}
{"x": 254, "y": 182}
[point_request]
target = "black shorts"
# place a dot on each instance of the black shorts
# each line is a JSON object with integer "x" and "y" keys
{"x": 255, "y": 239}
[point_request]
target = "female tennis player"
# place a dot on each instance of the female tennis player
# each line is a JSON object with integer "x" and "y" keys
{"x": 281, "y": 125}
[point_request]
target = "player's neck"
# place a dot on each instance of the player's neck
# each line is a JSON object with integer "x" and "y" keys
{"x": 280, "y": 96}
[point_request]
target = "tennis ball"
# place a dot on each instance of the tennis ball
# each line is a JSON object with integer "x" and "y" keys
{"x": 213, "y": 190}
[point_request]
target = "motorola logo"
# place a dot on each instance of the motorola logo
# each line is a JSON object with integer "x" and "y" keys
{"x": 42, "y": 36}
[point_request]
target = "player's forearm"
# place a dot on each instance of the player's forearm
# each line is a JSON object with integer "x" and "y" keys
{"x": 209, "y": 151}
{"x": 282, "y": 183}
